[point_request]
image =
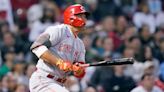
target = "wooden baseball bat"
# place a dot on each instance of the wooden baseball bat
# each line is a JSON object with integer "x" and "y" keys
{"x": 121, "y": 61}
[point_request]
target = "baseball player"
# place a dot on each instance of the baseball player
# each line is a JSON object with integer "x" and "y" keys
{"x": 60, "y": 51}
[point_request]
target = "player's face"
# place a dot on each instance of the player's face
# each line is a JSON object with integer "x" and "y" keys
{"x": 83, "y": 16}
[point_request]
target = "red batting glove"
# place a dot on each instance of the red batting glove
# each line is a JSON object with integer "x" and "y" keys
{"x": 78, "y": 71}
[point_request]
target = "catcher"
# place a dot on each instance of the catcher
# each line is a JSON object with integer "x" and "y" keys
{"x": 60, "y": 51}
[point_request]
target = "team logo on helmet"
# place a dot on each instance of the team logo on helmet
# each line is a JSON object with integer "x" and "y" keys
{"x": 82, "y": 9}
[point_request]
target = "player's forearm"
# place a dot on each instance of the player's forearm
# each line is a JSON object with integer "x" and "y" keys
{"x": 50, "y": 58}
{"x": 44, "y": 53}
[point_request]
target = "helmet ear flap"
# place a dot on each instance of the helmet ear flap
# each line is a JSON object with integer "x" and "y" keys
{"x": 72, "y": 18}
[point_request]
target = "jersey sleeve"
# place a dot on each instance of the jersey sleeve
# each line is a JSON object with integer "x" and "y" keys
{"x": 50, "y": 37}
{"x": 55, "y": 34}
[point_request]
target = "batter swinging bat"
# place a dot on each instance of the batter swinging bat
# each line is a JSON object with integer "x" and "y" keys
{"x": 121, "y": 61}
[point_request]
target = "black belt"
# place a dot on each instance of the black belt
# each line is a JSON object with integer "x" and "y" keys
{"x": 61, "y": 80}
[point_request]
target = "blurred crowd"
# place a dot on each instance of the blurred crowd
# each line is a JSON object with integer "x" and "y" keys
{"x": 115, "y": 29}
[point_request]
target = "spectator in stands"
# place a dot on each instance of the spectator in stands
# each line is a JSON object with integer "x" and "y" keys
{"x": 160, "y": 51}
{"x": 147, "y": 84}
{"x": 10, "y": 44}
{"x": 109, "y": 27}
{"x": 90, "y": 29}
{"x": 48, "y": 19}
{"x": 20, "y": 9}
{"x": 90, "y": 53}
{"x": 21, "y": 88}
{"x": 98, "y": 77}
{"x": 12, "y": 81}
{"x": 4, "y": 84}
{"x": 0, "y": 59}
{"x": 8, "y": 64}
{"x": 86, "y": 79}
{"x": 108, "y": 7}
{"x": 8, "y": 83}
{"x": 160, "y": 80}
{"x": 4, "y": 27}
{"x": 118, "y": 82}
{"x": 29, "y": 69}
{"x": 18, "y": 72}
{"x": 97, "y": 45}
{"x": 149, "y": 67}
{"x": 32, "y": 16}
{"x": 160, "y": 18}
{"x": 121, "y": 25}
{"x": 138, "y": 68}
{"x": 143, "y": 16}
{"x": 130, "y": 31}
{"x": 157, "y": 36}
{"x": 128, "y": 53}
{"x": 21, "y": 37}
{"x": 148, "y": 57}
{"x": 108, "y": 23}
{"x": 145, "y": 35}
{"x": 128, "y": 7}
{"x": 155, "y": 7}
{"x": 108, "y": 46}
{"x": 72, "y": 84}
{"x": 6, "y": 13}
{"x": 135, "y": 43}
{"x": 93, "y": 8}
{"x": 90, "y": 89}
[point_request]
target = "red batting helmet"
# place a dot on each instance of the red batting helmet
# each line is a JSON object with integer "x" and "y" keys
{"x": 71, "y": 19}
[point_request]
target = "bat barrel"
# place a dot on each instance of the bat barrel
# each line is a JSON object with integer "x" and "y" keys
{"x": 122, "y": 61}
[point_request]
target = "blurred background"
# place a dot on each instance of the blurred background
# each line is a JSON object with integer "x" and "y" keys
{"x": 115, "y": 29}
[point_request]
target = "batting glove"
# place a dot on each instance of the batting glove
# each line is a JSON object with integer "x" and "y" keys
{"x": 78, "y": 71}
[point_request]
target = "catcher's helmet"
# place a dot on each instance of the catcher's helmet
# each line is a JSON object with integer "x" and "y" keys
{"x": 71, "y": 19}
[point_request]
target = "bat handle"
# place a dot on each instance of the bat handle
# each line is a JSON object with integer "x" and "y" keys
{"x": 84, "y": 65}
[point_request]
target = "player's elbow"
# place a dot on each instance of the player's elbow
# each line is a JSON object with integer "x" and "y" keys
{"x": 42, "y": 40}
{"x": 33, "y": 46}
{"x": 39, "y": 50}
{"x": 38, "y": 44}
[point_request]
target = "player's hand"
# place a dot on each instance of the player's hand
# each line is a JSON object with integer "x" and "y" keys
{"x": 78, "y": 71}
{"x": 65, "y": 66}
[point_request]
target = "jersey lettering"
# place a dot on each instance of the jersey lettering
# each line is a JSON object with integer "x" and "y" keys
{"x": 65, "y": 48}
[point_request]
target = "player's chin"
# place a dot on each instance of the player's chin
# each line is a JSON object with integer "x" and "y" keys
{"x": 83, "y": 28}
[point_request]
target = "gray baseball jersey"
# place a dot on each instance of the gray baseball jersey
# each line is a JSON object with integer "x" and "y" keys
{"x": 64, "y": 45}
